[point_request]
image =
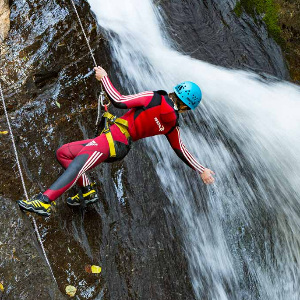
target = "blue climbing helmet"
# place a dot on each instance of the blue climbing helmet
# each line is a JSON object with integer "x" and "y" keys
{"x": 189, "y": 93}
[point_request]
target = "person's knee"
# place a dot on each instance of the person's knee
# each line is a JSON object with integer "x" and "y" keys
{"x": 61, "y": 153}
{"x": 71, "y": 175}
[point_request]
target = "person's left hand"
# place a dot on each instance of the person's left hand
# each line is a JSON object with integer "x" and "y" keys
{"x": 100, "y": 73}
{"x": 207, "y": 177}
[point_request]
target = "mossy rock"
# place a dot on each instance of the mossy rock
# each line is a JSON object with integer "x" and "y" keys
{"x": 265, "y": 10}
{"x": 289, "y": 21}
{"x": 282, "y": 19}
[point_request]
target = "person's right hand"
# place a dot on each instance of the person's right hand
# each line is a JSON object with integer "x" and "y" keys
{"x": 207, "y": 177}
{"x": 100, "y": 73}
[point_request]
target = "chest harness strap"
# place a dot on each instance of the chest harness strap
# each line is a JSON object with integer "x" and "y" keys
{"x": 110, "y": 119}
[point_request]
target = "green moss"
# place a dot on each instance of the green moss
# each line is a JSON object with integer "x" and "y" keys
{"x": 238, "y": 9}
{"x": 266, "y": 10}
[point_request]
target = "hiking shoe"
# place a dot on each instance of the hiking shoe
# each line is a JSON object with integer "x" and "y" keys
{"x": 40, "y": 205}
{"x": 89, "y": 195}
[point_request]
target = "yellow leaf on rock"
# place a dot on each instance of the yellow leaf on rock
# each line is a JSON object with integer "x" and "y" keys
{"x": 71, "y": 290}
{"x": 1, "y": 287}
{"x": 3, "y": 132}
{"x": 96, "y": 269}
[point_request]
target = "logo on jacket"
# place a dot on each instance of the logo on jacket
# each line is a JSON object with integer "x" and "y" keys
{"x": 161, "y": 128}
{"x": 92, "y": 143}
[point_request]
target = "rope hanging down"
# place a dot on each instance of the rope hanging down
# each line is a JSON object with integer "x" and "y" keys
{"x": 100, "y": 102}
{"x": 101, "y": 95}
{"x": 22, "y": 179}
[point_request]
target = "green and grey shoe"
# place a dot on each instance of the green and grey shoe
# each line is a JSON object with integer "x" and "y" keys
{"x": 40, "y": 205}
{"x": 89, "y": 194}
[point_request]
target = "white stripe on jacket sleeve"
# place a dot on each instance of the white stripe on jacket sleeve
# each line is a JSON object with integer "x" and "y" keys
{"x": 189, "y": 157}
{"x": 116, "y": 96}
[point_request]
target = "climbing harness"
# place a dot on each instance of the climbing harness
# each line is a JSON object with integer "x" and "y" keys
{"x": 23, "y": 182}
{"x": 109, "y": 119}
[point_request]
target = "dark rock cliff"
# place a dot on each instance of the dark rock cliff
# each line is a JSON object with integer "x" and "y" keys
{"x": 51, "y": 96}
{"x": 212, "y": 32}
{"x": 23, "y": 271}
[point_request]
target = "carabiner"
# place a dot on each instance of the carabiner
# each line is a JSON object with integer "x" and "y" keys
{"x": 102, "y": 98}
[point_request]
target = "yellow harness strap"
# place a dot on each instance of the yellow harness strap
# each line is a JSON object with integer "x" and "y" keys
{"x": 123, "y": 126}
{"x": 112, "y": 149}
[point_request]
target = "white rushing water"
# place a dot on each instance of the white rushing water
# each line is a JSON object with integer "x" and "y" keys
{"x": 242, "y": 235}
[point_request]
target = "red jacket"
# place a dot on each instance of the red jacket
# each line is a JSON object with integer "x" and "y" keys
{"x": 150, "y": 114}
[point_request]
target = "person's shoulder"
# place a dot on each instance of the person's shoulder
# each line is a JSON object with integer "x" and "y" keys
{"x": 167, "y": 102}
{"x": 162, "y": 93}
{"x": 168, "y": 111}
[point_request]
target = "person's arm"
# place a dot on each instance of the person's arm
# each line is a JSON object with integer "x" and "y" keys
{"x": 181, "y": 151}
{"x": 118, "y": 100}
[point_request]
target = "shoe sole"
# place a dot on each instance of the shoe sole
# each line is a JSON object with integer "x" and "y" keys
{"x": 91, "y": 201}
{"x": 86, "y": 202}
{"x": 31, "y": 209}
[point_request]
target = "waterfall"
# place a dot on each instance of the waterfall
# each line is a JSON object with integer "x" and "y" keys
{"x": 242, "y": 235}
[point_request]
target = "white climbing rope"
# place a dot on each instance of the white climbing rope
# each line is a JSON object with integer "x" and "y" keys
{"x": 86, "y": 39}
{"x": 22, "y": 179}
{"x": 101, "y": 95}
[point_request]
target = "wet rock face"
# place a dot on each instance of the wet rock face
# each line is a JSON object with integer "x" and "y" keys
{"x": 4, "y": 19}
{"x": 51, "y": 97}
{"x": 210, "y": 31}
{"x": 23, "y": 270}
